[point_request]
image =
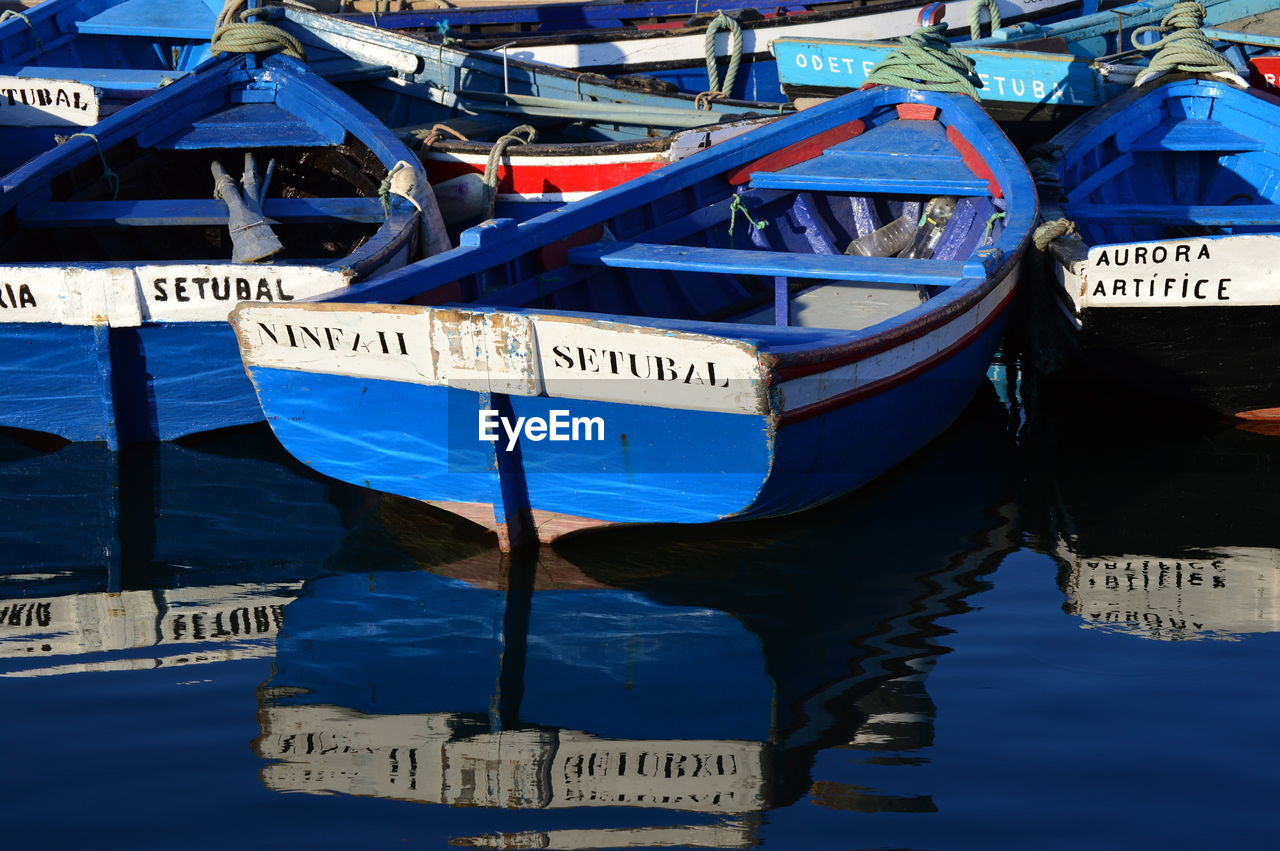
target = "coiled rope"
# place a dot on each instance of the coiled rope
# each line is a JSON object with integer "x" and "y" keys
{"x": 1049, "y": 231}
{"x": 495, "y": 157}
{"x": 926, "y": 61}
{"x": 1183, "y": 48}
{"x": 975, "y": 17}
{"x": 428, "y": 138}
{"x": 722, "y": 22}
{"x": 35, "y": 36}
{"x": 232, "y": 36}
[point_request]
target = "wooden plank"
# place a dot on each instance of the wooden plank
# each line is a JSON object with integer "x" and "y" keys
{"x": 1191, "y": 134}
{"x": 198, "y": 211}
{"x": 185, "y": 19}
{"x": 254, "y": 125}
{"x": 684, "y": 258}
{"x": 811, "y": 176}
{"x": 1175, "y": 214}
{"x": 120, "y": 79}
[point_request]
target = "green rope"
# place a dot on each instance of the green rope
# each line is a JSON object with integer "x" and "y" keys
{"x": 736, "y": 206}
{"x": 926, "y": 61}
{"x": 112, "y": 179}
{"x": 495, "y": 161}
{"x": 1183, "y": 48}
{"x": 233, "y": 37}
{"x": 975, "y": 17}
{"x": 384, "y": 189}
{"x": 991, "y": 223}
{"x": 721, "y": 22}
{"x": 1050, "y": 231}
{"x": 9, "y": 13}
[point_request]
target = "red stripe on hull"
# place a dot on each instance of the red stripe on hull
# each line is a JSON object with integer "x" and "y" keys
{"x": 797, "y": 153}
{"x": 539, "y": 179}
{"x": 974, "y": 162}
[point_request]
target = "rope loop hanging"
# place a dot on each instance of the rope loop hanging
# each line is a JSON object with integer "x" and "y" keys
{"x": 736, "y": 206}
{"x": 1184, "y": 46}
{"x": 926, "y": 61}
{"x": 721, "y": 22}
{"x": 233, "y": 34}
{"x": 112, "y": 179}
{"x": 975, "y": 17}
{"x": 8, "y": 14}
{"x": 522, "y": 135}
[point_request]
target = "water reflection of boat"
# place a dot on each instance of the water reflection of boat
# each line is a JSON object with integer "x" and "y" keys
{"x": 674, "y": 670}
{"x": 159, "y": 555}
{"x": 1168, "y": 532}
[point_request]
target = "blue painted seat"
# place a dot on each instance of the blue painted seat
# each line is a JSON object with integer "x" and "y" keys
{"x": 781, "y": 264}
{"x": 199, "y": 211}
{"x": 183, "y": 19}
{"x": 899, "y": 157}
{"x": 120, "y": 79}
{"x": 1194, "y": 134}
{"x": 249, "y": 125}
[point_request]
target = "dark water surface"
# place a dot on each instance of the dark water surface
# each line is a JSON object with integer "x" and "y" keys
{"x": 1055, "y": 628}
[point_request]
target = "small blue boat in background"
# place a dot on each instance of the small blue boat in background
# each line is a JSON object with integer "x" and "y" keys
{"x": 700, "y": 342}
{"x": 670, "y": 39}
{"x": 125, "y": 248}
{"x": 1163, "y": 230}
{"x": 1031, "y": 72}
{"x": 69, "y": 63}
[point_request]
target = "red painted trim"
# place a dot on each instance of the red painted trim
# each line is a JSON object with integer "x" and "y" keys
{"x": 917, "y": 111}
{"x": 974, "y": 161}
{"x": 797, "y": 153}
{"x": 536, "y": 179}
{"x": 891, "y": 381}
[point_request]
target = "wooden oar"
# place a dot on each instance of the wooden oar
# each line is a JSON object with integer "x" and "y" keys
{"x": 251, "y": 237}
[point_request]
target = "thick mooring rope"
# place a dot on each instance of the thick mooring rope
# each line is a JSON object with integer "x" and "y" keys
{"x": 975, "y": 17}
{"x": 1184, "y": 46}
{"x": 926, "y": 61}
{"x": 722, "y": 22}
{"x": 495, "y": 161}
{"x": 232, "y": 36}
{"x": 1049, "y": 231}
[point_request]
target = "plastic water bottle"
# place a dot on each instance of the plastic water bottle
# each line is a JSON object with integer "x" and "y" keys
{"x": 886, "y": 241}
{"x": 932, "y": 225}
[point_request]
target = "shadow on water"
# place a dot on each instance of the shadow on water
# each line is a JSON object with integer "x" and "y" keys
{"x": 1164, "y": 525}
{"x": 692, "y": 674}
{"x": 161, "y": 554}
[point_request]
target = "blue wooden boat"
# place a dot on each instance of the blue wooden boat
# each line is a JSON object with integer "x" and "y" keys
{"x": 68, "y": 63}
{"x": 668, "y": 39}
{"x": 720, "y": 353}
{"x": 1030, "y": 71}
{"x": 1167, "y": 283}
{"x": 574, "y": 134}
{"x": 118, "y": 266}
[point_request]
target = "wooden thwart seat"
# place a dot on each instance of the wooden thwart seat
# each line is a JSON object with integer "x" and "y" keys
{"x": 118, "y": 79}
{"x": 197, "y": 212}
{"x": 777, "y": 264}
{"x": 899, "y": 158}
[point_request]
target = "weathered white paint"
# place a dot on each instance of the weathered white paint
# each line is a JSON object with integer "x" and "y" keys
{"x": 1223, "y": 592}
{"x": 36, "y": 102}
{"x": 125, "y": 296}
{"x": 518, "y": 354}
{"x": 617, "y": 362}
{"x": 421, "y": 345}
{"x": 1221, "y": 271}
